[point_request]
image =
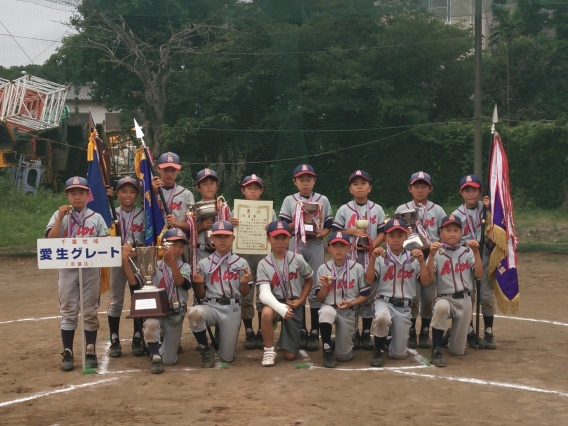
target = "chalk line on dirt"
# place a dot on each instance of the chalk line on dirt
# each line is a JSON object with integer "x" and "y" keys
{"x": 410, "y": 367}
{"x": 44, "y": 318}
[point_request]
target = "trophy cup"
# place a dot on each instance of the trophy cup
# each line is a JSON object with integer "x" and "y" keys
{"x": 150, "y": 301}
{"x": 362, "y": 241}
{"x": 312, "y": 220}
{"x": 414, "y": 239}
{"x": 205, "y": 210}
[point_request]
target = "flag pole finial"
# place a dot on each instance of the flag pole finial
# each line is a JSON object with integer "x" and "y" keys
{"x": 494, "y": 120}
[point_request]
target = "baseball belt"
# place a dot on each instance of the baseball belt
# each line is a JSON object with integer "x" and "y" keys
{"x": 222, "y": 301}
{"x": 397, "y": 302}
{"x": 456, "y": 295}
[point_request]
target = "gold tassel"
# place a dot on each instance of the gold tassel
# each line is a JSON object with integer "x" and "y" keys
{"x": 506, "y": 306}
{"x": 138, "y": 157}
{"x": 112, "y": 230}
{"x": 91, "y": 147}
{"x": 105, "y": 280}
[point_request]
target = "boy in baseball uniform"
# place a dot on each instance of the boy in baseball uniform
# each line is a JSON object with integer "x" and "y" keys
{"x": 284, "y": 281}
{"x": 76, "y": 220}
{"x": 396, "y": 272}
{"x": 429, "y": 219}
{"x": 340, "y": 288}
{"x": 471, "y": 215}
{"x": 173, "y": 275}
{"x": 132, "y": 228}
{"x": 361, "y": 208}
{"x": 220, "y": 282}
{"x": 309, "y": 229}
{"x": 454, "y": 268}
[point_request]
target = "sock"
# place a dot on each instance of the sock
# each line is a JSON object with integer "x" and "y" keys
{"x": 367, "y": 322}
{"x": 154, "y": 348}
{"x": 314, "y": 314}
{"x": 380, "y": 343}
{"x": 304, "y": 326}
{"x": 137, "y": 334}
{"x": 91, "y": 338}
{"x": 325, "y": 329}
{"x": 437, "y": 335}
{"x": 113, "y": 336}
{"x": 67, "y": 337}
{"x": 113, "y": 324}
{"x": 248, "y": 324}
{"x": 201, "y": 338}
{"x": 138, "y": 324}
{"x": 413, "y": 324}
{"x": 488, "y": 321}
{"x": 426, "y": 324}
{"x": 326, "y": 347}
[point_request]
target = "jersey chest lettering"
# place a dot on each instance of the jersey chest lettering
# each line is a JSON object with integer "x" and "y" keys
{"x": 389, "y": 275}
{"x": 353, "y": 219}
{"x": 85, "y": 230}
{"x": 275, "y": 282}
{"x": 340, "y": 285}
{"x": 429, "y": 222}
{"x": 227, "y": 276}
{"x": 137, "y": 228}
{"x": 458, "y": 267}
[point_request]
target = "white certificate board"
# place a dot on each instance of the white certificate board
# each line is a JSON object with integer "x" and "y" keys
{"x": 80, "y": 252}
{"x": 250, "y": 235}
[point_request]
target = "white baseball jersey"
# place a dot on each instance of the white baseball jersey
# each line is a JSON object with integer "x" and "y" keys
{"x": 86, "y": 223}
{"x": 223, "y": 275}
{"x": 453, "y": 270}
{"x": 201, "y": 253}
{"x": 471, "y": 222}
{"x": 396, "y": 279}
{"x": 132, "y": 225}
{"x": 158, "y": 279}
{"x": 297, "y": 270}
{"x": 288, "y": 210}
{"x": 346, "y": 288}
{"x": 348, "y": 213}
{"x": 178, "y": 199}
{"x": 430, "y": 217}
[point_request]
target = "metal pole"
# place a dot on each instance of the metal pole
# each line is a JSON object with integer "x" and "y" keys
{"x": 83, "y": 346}
{"x": 477, "y": 94}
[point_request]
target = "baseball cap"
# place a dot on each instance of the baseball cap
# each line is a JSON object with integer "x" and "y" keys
{"x": 361, "y": 174}
{"x": 205, "y": 173}
{"x": 174, "y": 234}
{"x": 470, "y": 180}
{"x": 278, "y": 227}
{"x": 222, "y": 227}
{"x": 393, "y": 224}
{"x": 169, "y": 159}
{"x": 338, "y": 237}
{"x": 252, "y": 179}
{"x": 76, "y": 182}
{"x": 418, "y": 176}
{"x": 304, "y": 169}
{"x": 131, "y": 180}
{"x": 447, "y": 220}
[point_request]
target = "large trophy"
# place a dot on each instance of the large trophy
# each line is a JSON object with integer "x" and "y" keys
{"x": 415, "y": 239}
{"x": 362, "y": 241}
{"x": 150, "y": 301}
{"x": 205, "y": 210}
{"x": 312, "y": 217}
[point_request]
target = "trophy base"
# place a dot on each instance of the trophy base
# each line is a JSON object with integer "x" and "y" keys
{"x": 362, "y": 241}
{"x": 415, "y": 241}
{"x": 149, "y": 302}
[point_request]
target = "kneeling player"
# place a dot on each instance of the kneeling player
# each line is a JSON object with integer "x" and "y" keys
{"x": 172, "y": 274}
{"x": 398, "y": 272}
{"x": 279, "y": 282}
{"x": 341, "y": 287}
{"x": 454, "y": 268}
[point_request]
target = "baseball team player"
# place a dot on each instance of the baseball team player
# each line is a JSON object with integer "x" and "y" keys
{"x": 340, "y": 288}
{"x": 309, "y": 245}
{"x": 132, "y": 228}
{"x": 252, "y": 188}
{"x": 454, "y": 268}
{"x": 284, "y": 281}
{"x": 173, "y": 275}
{"x": 429, "y": 220}
{"x": 222, "y": 279}
{"x": 361, "y": 208}
{"x": 75, "y": 220}
{"x": 396, "y": 273}
{"x": 471, "y": 214}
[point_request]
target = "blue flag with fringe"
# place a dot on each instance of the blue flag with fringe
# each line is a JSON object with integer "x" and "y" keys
{"x": 98, "y": 200}
{"x": 152, "y": 213}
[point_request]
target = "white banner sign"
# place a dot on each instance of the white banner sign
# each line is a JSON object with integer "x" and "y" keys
{"x": 80, "y": 252}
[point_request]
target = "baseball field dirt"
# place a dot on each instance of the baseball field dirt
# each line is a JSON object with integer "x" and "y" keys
{"x": 524, "y": 381}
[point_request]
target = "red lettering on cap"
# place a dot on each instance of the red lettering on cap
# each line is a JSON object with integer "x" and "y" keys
{"x": 75, "y": 180}
{"x": 358, "y": 172}
{"x": 468, "y": 179}
{"x": 180, "y": 233}
{"x": 421, "y": 175}
{"x": 127, "y": 179}
{"x": 170, "y": 158}
{"x": 280, "y": 226}
{"x": 396, "y": 223}
{"x": 207, "y": 172}
{"x": 253, "y": 177}
{"x": 338, "y": 235}
{"x": 452, "y": 217}
{"x": 221, "y": 225}
{"x": 304, "y": 167}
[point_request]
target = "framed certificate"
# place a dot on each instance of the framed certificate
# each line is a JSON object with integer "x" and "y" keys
{"x": 250, "y": 235}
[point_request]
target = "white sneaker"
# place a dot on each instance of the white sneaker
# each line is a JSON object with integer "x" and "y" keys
{"x": 269, "y": 357}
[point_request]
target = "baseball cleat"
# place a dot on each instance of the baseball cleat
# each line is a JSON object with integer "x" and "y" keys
{"x": 91, "y": 357}
{"x": 67, "y": 362}
{"x": 367, "y": 342}
{"x": 489, "y": 341}
{"x": 377, "y": 360}
{"x": 304, "y": 339}
{"x": 115, "y": 350}
{"x": 207, "y": 358}
{"x": 313, "y": 342}
{"x": 269, "y": 357}
{"x": 471, "y": 341}
{"x": 250, "y": 340}
{"x": 157, "y": 366}
{"x": 356, "y": 341}
{"x": 259, "y": 341}
{"x": 328, "y": 358}
{"x": 437, "y": 359}
{"x": 446, "y": 338}
{"x": 412, "y": 339}
{"x": 424, "y": 340}
{"x": 137, "y": 348}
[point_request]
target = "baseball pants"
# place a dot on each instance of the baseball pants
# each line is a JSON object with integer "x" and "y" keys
{"x": 459, "y": 310}
{"x": 69, "y": 304}
{"x": 227, "y": 317}
{"x": 248, "y": 301}
{"x": 170, "y": 327}
{"x": 118, "y": 282}
{"x": 313, "y": 252}
{"x": 345, "y": 321}
{"x": 291, "y": 331}
{"x": 398, "y": 320}
{"x": 422, "y": 302}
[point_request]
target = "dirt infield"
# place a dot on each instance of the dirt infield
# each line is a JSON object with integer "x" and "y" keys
{"x": 523, "y": 382}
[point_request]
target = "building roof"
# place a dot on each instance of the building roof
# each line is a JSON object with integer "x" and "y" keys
{"x": 79, "y": 93}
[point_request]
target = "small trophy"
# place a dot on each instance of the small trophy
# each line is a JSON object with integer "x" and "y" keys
{"x": 150, "y": 301}
{"x": 414, "y": 239}
{"x": 312, "y": 220}
{"x": 362, "y": 241}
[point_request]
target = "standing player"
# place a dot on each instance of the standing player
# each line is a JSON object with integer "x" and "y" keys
{"x": 397, "y": 272}
{"x": 345, "y": 218}
{"x": 132, "y": 228}
{"x": 172, "y": 274}
{"x": 341, "y": 288}
{"x": 471, "y": 213}
{"x": 75, "y": 220}
{"x": 308, "y": 244}
{"x": 429, "y": 220}
{"x": 222, "y": 279}
{"x": 454, "y": 268}
{"x": 280, "y": 289}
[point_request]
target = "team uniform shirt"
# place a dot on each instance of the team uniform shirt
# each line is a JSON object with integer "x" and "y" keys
{"x": 286, "y": 278}
{"x": 453, "y": 270}
{"x": 349, "y": 282}
{"x": 201, "y": 252}
{"x": 349, "y": 213}
{"x": 86, "y": 223}
{"x": 222, "y": 275}
{"x": 471, "y": 220}
{"x": 164, "y": 272}
{"x": 397, "y": 276}
{"x": 132, "y": 225}
{"x": 430, "y": 218}
{"x": 288, "y": 210}
{"x": 178, "y": 199}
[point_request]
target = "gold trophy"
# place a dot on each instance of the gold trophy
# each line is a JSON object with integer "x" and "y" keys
{"x": 362, "y": 241}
